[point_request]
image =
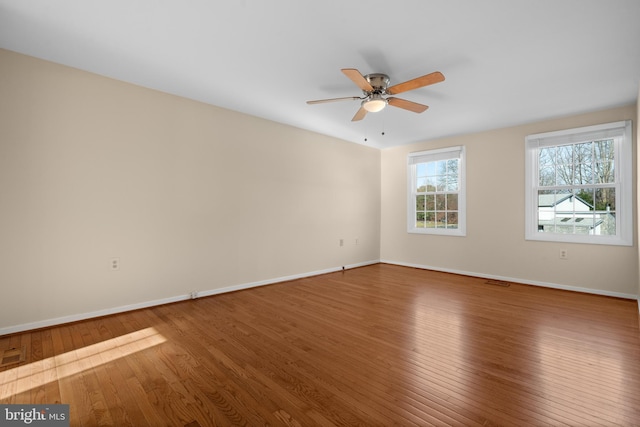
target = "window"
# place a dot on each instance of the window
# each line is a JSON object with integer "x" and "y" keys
{"x": 578, "y": 185}
{"x": 436, "y": 199}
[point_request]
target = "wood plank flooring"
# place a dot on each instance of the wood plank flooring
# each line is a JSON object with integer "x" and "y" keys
{"x": 380, "y": 345}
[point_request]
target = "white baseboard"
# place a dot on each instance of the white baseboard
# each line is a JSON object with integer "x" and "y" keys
{"x": 518, "y": 280}
{"x": 280, "y": 279}
{"x": 199, "y": 294}
{"x": 83, "y": 316}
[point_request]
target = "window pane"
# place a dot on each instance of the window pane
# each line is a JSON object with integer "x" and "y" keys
{"x": 564, "y": 226}
{"x": 583, "y": 153}
{"x": 564, "y": 174}
{"x": 604, "y": 150}
{"x": 548, "y": 202}
{"x": 583, "y": 201}
{"x": 421, "y": 203}
{"x": 605, "y": 172}
{"x": 430, "y": 220}
{"x": 547, "y": 156}
{"x": 452, "y": 202}
{"x": 452, "y": 183}
{"x": 605, "y": 202}
{"x": 584, "y": 224}
{"x": 547, "y": 176}
{"x": 452, "y": 167}
{"x": 421, "y": 169}
{"x": 452, "y": 219}
{"x": 430, "y": 202}
{"x": 605, "y": 199}
{"x": 564, "y": 155}
{"x": 431, "y": 184}
{"x": 441, "y": 219}
{"x": 421, "y": 185}
{"x": 431, "y": 168}
{"x": 441, "y": 202}
{"x": 564, "y": 165}
{"x": 583, "y": 174}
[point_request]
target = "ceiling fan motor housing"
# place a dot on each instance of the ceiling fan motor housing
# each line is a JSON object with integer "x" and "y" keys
{"x": 379, "y": 82}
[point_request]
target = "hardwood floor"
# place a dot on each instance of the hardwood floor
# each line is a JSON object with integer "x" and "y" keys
{"x": 374, "y": 346}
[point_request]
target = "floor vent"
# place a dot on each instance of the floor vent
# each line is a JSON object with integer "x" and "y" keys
{"x": 11, "y": 356}
{"x": 498, "y": 283}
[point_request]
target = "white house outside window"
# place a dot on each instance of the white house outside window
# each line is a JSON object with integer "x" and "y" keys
{"x": 578, "y": 185}
{"x": 436, "y": 187}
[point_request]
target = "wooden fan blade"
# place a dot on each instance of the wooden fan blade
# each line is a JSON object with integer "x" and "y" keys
{"x": 358, "y": 79}
{"x": 407, "y": 105}
{"x": 426, "y": 80}
{"x": 322, "y": 101}
{"x": 359, "y": 115}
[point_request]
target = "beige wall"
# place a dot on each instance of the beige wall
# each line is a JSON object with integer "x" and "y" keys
{"x": 495, "y": 244}
{"x": 190, "y": 197}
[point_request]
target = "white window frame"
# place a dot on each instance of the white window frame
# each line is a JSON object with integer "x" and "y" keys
{"x": 413, "y": 159}
{"x": 621, "y": 133}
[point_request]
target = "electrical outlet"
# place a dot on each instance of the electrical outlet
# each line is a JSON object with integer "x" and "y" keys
{"x": 114, "y": 264}
{"x": 564, "y": 254}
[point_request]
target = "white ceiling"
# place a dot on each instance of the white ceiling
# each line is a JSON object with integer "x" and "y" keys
{"x": 506, "y": 62}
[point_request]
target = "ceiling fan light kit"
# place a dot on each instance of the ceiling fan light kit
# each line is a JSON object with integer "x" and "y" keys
{"x": 376, "y": 85}
{"x": 374, "y": 103}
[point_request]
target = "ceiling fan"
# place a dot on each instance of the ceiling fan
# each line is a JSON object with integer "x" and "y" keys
{"x": 375, "y": 86}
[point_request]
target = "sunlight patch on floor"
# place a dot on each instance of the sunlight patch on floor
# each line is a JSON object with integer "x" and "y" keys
{"x": 36, "y": 374}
